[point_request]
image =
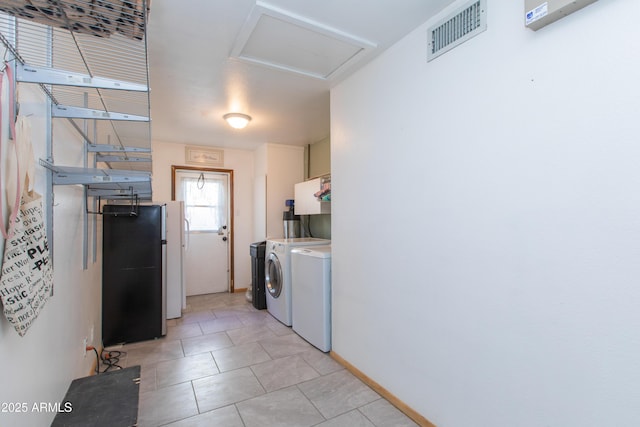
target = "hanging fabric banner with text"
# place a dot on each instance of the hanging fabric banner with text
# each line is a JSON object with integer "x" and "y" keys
{"x": 26, "y": 277}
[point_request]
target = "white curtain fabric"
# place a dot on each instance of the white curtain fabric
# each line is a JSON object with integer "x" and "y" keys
{"x": 205, "y": 202}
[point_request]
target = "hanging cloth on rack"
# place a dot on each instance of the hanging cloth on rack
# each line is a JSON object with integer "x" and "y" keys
{"x": 24, "y": 170}
{"x": 14, "y": 194}
{"x": 26, "y": 278}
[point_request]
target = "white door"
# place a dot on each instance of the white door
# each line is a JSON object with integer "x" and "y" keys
{"x": 206, "y": 204}
{"x": 176, "y": 246}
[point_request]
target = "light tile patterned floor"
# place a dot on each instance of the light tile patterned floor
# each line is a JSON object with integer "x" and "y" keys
{"x": 224, "y": 363}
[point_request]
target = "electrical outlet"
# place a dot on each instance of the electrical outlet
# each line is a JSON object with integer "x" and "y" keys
{"x": 91, "y": 334}
{"x": 84, "y": 347}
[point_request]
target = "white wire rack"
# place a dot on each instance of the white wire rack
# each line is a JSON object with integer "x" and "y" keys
{"x": 69, "y": 47}
{"x": 90, "y": 59}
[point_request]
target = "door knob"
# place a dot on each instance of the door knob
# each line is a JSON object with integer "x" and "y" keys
{"x": 224, "y": 239}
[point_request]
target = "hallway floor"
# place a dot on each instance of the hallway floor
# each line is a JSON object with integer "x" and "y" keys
{"x": 224, "y": 363}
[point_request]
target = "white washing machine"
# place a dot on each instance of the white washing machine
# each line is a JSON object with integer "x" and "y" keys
{"x": 278, "y": 274}
{"x": 311, "y": 298}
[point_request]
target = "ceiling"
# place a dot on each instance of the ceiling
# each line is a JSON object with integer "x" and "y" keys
{"x": 275, "y": 60}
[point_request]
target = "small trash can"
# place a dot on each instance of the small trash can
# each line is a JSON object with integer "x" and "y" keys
{"x": 258, "y": 296}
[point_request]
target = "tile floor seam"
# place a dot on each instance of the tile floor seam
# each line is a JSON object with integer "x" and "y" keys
{"x": 259, "y": 382}
{"x": 264, "y": 349}
{"x": 180, "y": 420}
{"x": 155, "y": 376}
{"x": 365, "y": 415}
{"x": 200, "y": 327}
{"x": 235, "y": 405}
{"x": 182, "y": 348}
{"x": 313, "y": 404}
{"x": 215, "y": 363}
{"x": 239, "y": 401}
{"x": 281, "y": 388}
{"x": 195, "y": 397}
{"x": 240, "y": 415}
{"x": 320, "y": 374}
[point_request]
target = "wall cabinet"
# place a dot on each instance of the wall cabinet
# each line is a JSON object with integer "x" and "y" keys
{"x": 306, "y": 199}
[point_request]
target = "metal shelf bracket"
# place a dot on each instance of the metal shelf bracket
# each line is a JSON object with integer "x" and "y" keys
{"x": 51, "y": 76}
{"x": 108, "y": 159}
{"x": 70, "y": 112}
{"x": 107, "y": 183}
{"x": 105, "y": 148}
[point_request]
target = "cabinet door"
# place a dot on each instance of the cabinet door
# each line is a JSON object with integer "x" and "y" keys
{"x": 306, "y": 203}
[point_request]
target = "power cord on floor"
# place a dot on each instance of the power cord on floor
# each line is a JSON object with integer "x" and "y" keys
{"x": 97, "y": 359}
{"x": 109, "y": 358}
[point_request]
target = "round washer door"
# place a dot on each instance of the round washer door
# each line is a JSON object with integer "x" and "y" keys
{"x": 273, "y": 275}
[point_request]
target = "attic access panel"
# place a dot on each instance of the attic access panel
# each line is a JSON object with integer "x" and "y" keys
{"x": 280, "y": 39}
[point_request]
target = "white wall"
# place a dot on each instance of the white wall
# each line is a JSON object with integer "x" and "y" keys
{"x": 285, "y": 168}
{"x": 242, "y": 163}
{"x": 260, "y": 194}
{"x": 277, "y": 169}
{"x": 486, "y": 222}
{"x": 40, "y": 366}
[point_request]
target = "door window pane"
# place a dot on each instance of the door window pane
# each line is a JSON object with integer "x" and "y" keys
{"x": 204, "y": 203}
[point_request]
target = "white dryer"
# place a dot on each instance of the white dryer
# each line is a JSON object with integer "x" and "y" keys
{"x": 311, "y": 299}
{"x": 278, "y": 274}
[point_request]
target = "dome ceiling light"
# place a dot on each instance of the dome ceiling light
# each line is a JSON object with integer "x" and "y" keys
{"x": 237, "y": 120}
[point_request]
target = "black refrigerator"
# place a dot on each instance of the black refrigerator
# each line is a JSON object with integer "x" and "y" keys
{"x": 133, "y": 280}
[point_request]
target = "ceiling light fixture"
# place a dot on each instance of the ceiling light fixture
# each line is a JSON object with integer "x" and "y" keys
{"x": 237, "y": 120}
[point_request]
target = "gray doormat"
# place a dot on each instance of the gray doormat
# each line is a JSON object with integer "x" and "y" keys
{"x": 108, "y": 399}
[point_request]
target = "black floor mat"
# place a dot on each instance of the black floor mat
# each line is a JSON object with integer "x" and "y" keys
{"x": 108, "y": 399}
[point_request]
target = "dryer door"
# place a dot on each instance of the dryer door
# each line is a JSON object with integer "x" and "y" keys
{"x": 273, "y": 275}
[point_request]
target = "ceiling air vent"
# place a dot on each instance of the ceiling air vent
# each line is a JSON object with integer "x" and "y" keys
{"x": 456, "y": 28}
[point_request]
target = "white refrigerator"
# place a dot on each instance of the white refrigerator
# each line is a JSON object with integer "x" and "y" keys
{"x": 177, "y": 236}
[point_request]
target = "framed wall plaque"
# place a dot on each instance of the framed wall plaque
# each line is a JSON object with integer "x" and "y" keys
{"x": 204, "y": 156}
